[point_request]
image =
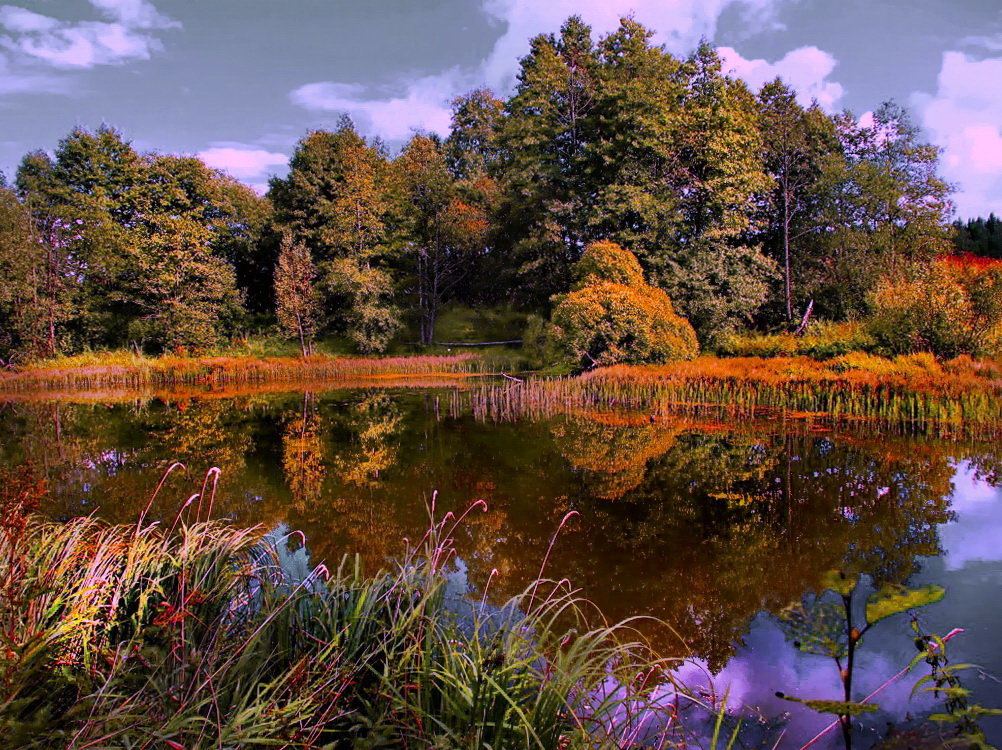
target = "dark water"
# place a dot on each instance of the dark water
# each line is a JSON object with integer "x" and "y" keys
{"x": 710, "y": 527}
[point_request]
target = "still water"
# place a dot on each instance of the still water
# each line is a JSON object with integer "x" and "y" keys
{"x": 711, "y": 527}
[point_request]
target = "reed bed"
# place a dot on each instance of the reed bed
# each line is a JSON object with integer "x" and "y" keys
{"x": 194, "y": 637}
{"x": 912, "y": 393}
{"x": 139, "y": 372}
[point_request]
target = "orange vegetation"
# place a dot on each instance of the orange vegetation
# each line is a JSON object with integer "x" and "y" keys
{"x": 205, "y": 372}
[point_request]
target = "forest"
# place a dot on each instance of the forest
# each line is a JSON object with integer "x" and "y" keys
{"x": 621, "y": 205}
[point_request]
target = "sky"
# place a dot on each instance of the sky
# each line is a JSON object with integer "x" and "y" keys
{"x": 239, "y": 82}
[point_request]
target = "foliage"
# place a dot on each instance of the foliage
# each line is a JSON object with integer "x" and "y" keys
{"x": 948, "y": 307}
{"x": 334, "y": 202}
{"x": 944, "y": 681}
{"x": 823, "y": 340}
{"x": 365, "y": 293}
{"x": 797, "y": 143}
{"x": 141, "y": 236}
{"x": 441, "y": 234}
{"x": 885, "y": 206}
{"x": 603, "y": 321}
{"x": 831, "y": 629}
{"x": 197, "y": 637}
{"x": 297, "y": 299}
{"x": 982, "y": 237}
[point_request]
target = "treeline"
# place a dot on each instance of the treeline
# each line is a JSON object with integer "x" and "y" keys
{"x": 744, "y": 208}
{"x": 979, "y": 237}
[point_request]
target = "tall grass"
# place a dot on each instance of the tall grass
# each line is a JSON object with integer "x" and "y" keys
{"x": 912, "y": 392}
{"x": 127, "y": 370}
{"x": 193, "y": 637}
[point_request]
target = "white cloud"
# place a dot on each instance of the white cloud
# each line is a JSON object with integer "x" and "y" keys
{"x": 678, "y": 24}
{"x": 245, "y": 162}
{"x": 424, "y": 104}
{"x": 964, "y": 118}
{"x": 805, "y": 69}
{"x": 124, "y": 35}
{"x": 25, "y": 21}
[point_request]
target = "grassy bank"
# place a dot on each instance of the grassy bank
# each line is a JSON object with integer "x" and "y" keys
{"x": 911, "y": 392}
{"x": 117, "y": 370}
{"x": 914, "y": 391}
{"x": 195, "y": 637}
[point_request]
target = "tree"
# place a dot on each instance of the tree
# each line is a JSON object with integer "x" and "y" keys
{"x": 611, "y": 316}
{"x": 797, "y": 141}
{"x": 334, "y": 202}
{"x": 139, "y": 237}
{"x": 680, "y": 174}
{"x": 543, "y": 138}
{"x": 885, "y": 207}
{"x": 297, "y": 299}
{"x": 37, "y": 296}
{"x": 439, "y": 233}
{"x": 979, "y": 236}
{"x": 473, "y": 148}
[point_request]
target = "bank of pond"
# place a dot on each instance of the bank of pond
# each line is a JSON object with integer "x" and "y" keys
{"x": 444, "y": 566}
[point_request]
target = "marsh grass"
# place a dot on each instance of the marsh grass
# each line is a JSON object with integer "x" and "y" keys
{"x": 910, "y": 393}
{"x": 194, "y": 637}
{"x": 116, "y": 370}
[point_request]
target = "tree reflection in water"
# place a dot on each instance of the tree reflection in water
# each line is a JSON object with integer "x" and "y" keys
{"x": 699, "y": 524}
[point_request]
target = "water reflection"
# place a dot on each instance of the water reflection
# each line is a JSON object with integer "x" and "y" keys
{"x": 699, "y": 524}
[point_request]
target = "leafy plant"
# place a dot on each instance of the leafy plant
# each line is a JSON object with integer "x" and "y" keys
{"x": 830, "y": 626}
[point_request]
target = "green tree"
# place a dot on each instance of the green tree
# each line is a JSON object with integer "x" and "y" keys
{"x": 38, "y": 294}
{"x": 885, "y": 207}
{"x": 797, "y": 142}
{"x": 440, "y": 235}
{"x": 297, "y": 299}
{"x": 140, "y": 236}
{"x": 473, "y": 147}
{"x": 334, "y": 201}
{"x": 543, "y": 138}
{"x": 979, "y": 236}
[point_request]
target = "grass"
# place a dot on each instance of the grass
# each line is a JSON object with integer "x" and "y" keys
{"x": 193, "y": 637}
{"x": 110, "y": 370}
{"x": 914, "y": 392}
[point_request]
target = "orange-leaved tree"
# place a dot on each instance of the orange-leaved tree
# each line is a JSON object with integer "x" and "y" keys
{"x": 611, "y": 315}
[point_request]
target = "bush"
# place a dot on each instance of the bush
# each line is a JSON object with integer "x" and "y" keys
{"x": 949, "y": 308}
{"x": 823, "y": 340}
{"x": 612, "y": 317}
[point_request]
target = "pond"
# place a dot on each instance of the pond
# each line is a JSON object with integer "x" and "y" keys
{"x": 707, "y": 526}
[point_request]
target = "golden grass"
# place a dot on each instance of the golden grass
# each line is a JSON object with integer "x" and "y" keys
{"x": 913, "y": 391}
{"x": 116, "y": 371}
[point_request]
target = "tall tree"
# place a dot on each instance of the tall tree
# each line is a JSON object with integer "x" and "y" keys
{"x": 334, "y": 202}
{"x": 797, "y": 142}
{"x": 37, "y": 298}
{"x": 140, "y": 232}
{"x": 543, "y": 139}
{"x": 885, "y": 207}
{"x": 440, "y": 234}
{"x": 979, "y": 236}
{"x": 473, "y": 148}
{"x": 676, "y": 172}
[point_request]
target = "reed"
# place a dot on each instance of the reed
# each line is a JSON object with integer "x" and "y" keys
{"x": 914, "y": 392}
{"x": 118, "y": 371}
{"x": 194, "y": 637}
